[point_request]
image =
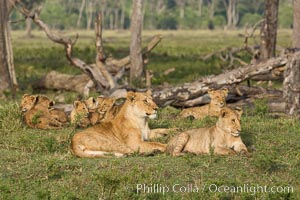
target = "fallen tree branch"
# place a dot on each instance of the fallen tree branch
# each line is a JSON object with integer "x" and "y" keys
{"x": 178, "y": 95}
{"x": 94, "y": 73}
{"x": 57, "y": 81}
{"x": 100, "y": 73}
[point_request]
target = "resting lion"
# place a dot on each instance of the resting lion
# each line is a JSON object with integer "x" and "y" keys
{"x": 104, "y": 111}
{"x": 224, "y": 138}
{"x": 28, "y": 102}
{"x": 80, "y": 114}
{"x": 218, "y": 101}
{"x": 124, "y": 134}
{"x": 36, "y": 112}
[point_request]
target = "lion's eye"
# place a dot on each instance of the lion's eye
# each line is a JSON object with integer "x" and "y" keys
{"x": 145, "y": 101}
{"x": 233, "y": 120}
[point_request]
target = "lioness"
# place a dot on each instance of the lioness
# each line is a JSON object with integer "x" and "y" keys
{"x": 80, "y": 114}
{"x": 37, "y": 114}
{"x": 107, "y": 109}
{"x": 224, "y": 137}
{"x": 218, "y": 101}
{"x": 124, "y": 134}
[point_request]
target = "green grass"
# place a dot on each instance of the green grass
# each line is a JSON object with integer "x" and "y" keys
{"x": 37, "y": 164}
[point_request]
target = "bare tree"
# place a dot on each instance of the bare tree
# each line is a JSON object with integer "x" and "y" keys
{"x": 296, "y": 24}
{"x": 200, "y": 3}
{"x": 122, "y": 18}
{"x": 89, "y": 13}
{"x": 181, "y": 4}
{"x": 7, "y": 72}
{"x": 136, "y": 58}
{"x": 269, "y": 30}
{"x": 160, "y": 7}
{"x": 211, "y": 8}
{"x": 79, "y": 16}
{"x": 291, "y": 83}
{"x": 231, "y": 12}
{"x": 116, "y": 12}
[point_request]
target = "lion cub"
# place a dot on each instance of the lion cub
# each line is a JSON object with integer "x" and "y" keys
{"x": 224, "y": 137}
{"x": 36, "y": 112}
{"x": 80, "y": 114}
{"x": 104, "y": 111}
{"x": 218, "y": 101}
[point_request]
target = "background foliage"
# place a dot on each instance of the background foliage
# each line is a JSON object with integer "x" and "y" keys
{"x": 158, "y": 14}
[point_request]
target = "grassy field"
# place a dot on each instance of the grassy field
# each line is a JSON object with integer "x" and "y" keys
{"x": 37, "y": 164}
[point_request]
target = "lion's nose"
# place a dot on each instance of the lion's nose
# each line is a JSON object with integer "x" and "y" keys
{"x": 239, "y": 130}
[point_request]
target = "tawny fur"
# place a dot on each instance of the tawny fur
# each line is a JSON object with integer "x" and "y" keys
{"x": 44, "y": 102}
{"x": 124, "y": 134}
{"x": 80, "y": 114}
{"x": 107, "y": 110}
{"x": 103, "y": 111}
{"x": 58, "y": 115}
{"x": 36, "y": 113}
{"x": 218, "y": 101}
{"x": 223, "y": 138}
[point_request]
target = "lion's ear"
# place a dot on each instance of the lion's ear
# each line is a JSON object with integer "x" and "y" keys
{"x": 131, "y": 95}
{"x": 76, "y": 104}
{"x": 210, "y": 91}
{"x": 149, "y": 93}
{"x": 34, "y": 98}
{"x": 239, "y": 111}
{"x": 25, "y": 95}
{"x": 225, "y": 91}
{"x": 92, "y": 99}
{"x": 112, "y": 99}
{"x": 51, "y": 103}
{"x": 223, "y": 112}
{"x": 100, "y": 98}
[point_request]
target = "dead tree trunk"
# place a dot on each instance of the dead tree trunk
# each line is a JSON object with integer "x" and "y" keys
{"x": 200, "y": 3}
{"x": 181, "y": 5}
{"x": 57, "y": 81}
{"x": 28, "y": 28}
{"x": 7, "y": 71}
{"x": 106, "y": 71}
{"x": 182, "y": 95}
{"x": 122, "y": 18}
{"x": 136, "y": 58}
{"x": 80, "y": 14}
{"x": 296, "y": 24}
{"x": 269, "y": 30}
{"x": 291, "y": 86}
{"x": 231, "y": 13}
{"x": 89, "y": 14}
{"x": 291, "y": 83}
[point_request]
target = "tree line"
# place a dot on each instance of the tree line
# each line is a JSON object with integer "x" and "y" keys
{"x": 157, "y": 14}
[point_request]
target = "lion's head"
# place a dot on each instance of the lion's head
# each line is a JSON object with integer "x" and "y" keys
{"x": 44, "y": 101}
{"x": 230, "y": 120}
{"x": 81, "y": 108}
{"x": 142, "y": 104}
{"x": 105, "y": 104}
{"x": 91, "y": 103}
{"x": 29, "y": 101}
{"x": 218, "y": 97}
